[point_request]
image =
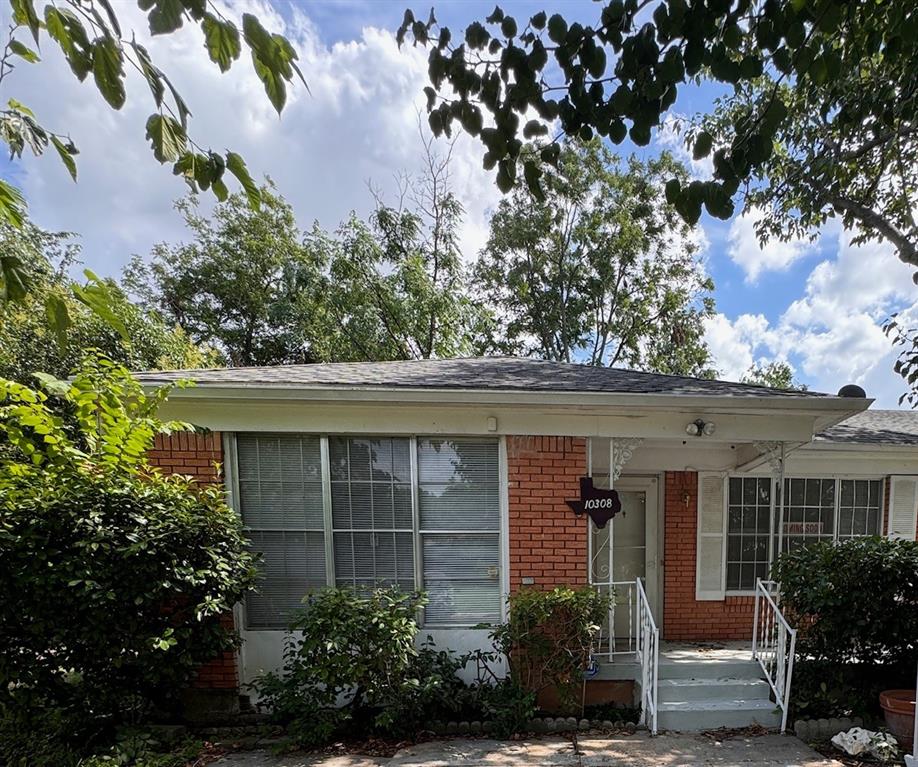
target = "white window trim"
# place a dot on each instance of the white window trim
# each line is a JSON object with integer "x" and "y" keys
{"x": 771, "y": 532}
{"x": 231, "y": 483}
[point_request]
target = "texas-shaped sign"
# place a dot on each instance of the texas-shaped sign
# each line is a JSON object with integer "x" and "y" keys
{"x": 599, "y": 503}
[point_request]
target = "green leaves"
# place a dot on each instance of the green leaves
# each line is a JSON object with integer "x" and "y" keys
{"x": 98, "y": 296}
{"x": 58, "y": 317}
{"x": 67, "y": 31}
{"x": 702, "y": 147}
{"x": 165, "y": 16}
{"x": 236, "y": 165}
{"x": 18, "y": 49}
{"x": 273, "y": 58}
{"x": 166, "y": 136}
{"x": 108, "y": 70}
{"x": 12, "y": 208}
{"x": 66, "y": 152}
{"x": 222, "y": 41}
{"x": 24, "y": 13}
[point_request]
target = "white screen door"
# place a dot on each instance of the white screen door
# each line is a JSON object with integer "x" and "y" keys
{"x": 623, "y": 551}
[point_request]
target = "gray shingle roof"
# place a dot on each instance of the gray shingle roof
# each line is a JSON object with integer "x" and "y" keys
{"x": 475, "y": 373}
{"x": 875, "y": 427}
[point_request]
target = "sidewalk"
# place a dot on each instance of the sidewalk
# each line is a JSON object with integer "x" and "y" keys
{"x": 638, "y": 750}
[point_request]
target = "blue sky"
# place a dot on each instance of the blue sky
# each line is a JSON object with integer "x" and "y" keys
{"x": 817, "y": 305}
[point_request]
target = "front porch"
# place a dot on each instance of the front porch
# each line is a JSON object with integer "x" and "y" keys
{"x": 699, "y": 686}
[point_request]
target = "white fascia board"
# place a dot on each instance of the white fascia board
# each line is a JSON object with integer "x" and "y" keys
{"x": 833, "y": 409}
{"x": 453, "y": 419}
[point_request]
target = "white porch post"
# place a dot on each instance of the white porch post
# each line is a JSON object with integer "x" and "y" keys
{"x": 775, "y": 453}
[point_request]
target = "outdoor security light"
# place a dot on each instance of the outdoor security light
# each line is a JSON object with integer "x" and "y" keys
{"x": 700, "y": 428}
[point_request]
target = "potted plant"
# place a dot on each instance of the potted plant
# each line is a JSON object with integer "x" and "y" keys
{"x": 899, "y": 712}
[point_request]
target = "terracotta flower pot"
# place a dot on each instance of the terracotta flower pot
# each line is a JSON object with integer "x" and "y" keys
{"x": 899, "y": 711}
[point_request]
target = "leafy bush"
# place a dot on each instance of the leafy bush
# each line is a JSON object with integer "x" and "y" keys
{"x": 854, "y": 601}
{"x": 347, "y": 661}
{"x": 114, "y": 576}
{"x": 506, "y": 705}
{"x": 855, "y": 606}
{"x": 548, "y": 638}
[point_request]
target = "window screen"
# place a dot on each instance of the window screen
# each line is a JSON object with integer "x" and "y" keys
{"x": 748, "y": 528}
{"x": 280, "y": 498}
{"x": 821, "y": 509}
{"x": 371, "y": 512}
{"x": 459, "y": 504}
{"x": 860, "y": 508}
{"x": 809, "y": 512}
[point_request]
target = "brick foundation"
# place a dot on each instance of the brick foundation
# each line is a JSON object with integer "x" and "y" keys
{"x": 685, "y": 618}
{"x": 547, "y": 541}
{"x": 198, "y": 456}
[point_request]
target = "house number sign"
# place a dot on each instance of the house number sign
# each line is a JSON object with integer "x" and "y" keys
{"x": 599, "y": 503}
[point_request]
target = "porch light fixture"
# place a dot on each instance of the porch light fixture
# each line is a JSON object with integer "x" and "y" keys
{"x": 700, "y": 428}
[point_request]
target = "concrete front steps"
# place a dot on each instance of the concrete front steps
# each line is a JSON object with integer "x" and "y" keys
{"x": 708, "y": 691}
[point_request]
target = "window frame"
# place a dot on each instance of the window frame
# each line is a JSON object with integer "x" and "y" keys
{"x": 231, "y": 481}
{"x": 836, "y": 478}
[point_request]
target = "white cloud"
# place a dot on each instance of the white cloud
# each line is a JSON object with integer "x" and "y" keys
{"x": 357, "y": 124}
{"x": 753, "y": 258}
{"x": 672, "y": 135}
{"x": 833, "y": 332}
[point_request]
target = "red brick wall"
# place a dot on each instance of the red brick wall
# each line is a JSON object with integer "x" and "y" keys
{"x": 684, "y": 618}
{"x": 188, "y": 453}
{"x": 547, "y": 541}
{"x": 197, "y": 455}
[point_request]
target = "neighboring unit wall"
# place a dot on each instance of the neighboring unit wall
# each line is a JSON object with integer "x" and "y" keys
{"x": 198, "y": 455}
{"x": 547, "y": 541}
{"x": 684, "y": 617}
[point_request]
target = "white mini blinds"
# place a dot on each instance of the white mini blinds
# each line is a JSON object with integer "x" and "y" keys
{"x": 459, "y": 500}
{"x": 280, "y": 497}
{"x": 418, "y": 513}
{"x": 371, "y": 512}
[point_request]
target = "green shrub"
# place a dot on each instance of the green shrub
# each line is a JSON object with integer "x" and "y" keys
{"x": 548, "y": 638}
{"x": 114, "y": 576}
{"x": 855, "y": 607}
{"x": 853, "y": 601}
{"x": 506, "y": 705}
{"x": 348, "y": 658}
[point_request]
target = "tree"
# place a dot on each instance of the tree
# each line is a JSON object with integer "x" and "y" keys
{"x": 820, "y": 120}
{"x": 90, "y": 36}
{"x": 397, "y": 285}
{"x": 904, "y": 337}
{"x": 775, "y": 375}
{"x": 123, "y": 572}
{"x": 245, "y": 284}
{"x": 28, "y": 345}
{"x": 600, "y": 269}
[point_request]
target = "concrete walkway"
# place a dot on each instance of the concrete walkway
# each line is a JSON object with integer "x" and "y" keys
{"x": 637, "y": 750}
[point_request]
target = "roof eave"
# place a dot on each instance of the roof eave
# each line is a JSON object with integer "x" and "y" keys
{"x": 835, "y": 409}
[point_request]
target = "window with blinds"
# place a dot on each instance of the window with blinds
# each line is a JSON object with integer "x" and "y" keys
{"x": 372, "y": 520}
{"x": 421, "y": 513}
{"x": 459, "y": 510}
{"x": 280, "y": 499}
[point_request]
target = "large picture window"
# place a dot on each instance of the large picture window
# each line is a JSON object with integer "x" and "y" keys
{"x": 815, "y": 509}
{"x": 417, "y": 513}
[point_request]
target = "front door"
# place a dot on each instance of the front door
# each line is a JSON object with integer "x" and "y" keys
{"x": 623, "y": 551}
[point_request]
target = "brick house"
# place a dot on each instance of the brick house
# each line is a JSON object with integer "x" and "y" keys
{"x": 454, "y": 476}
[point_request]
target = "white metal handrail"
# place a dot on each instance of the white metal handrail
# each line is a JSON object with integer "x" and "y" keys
{"x": 623, "y": 601}
{"x": 774, "y": 643}
{"x": 648, "y": 652}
